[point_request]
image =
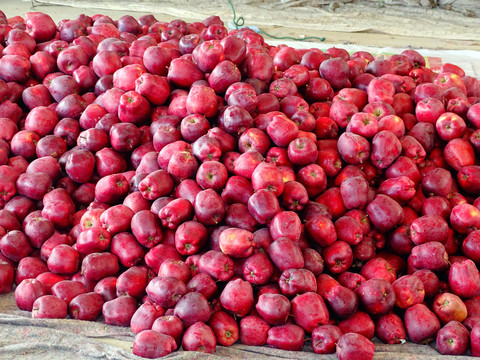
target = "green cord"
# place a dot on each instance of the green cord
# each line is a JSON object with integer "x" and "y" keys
{"x": 237, "y": 22}
{"x": 240, "y": 21}
{"x": 292, "y": 38}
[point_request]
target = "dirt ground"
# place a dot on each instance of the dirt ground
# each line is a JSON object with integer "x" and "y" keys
{"x": 379, "y": 23}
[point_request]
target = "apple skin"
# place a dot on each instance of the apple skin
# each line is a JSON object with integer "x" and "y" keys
{"x": 466, "y": 270}
{"x": 15, "y": 246}
{"x": 156, "y": 60}
{"x": 386, "y": 148}
{"x": 464, "y": 217}
{"x": 71, "y": 106}
{"x": 285, "y": 58}
{"x": 205, "y": 155}
{"x": 235, "y": 120}
{"x": 7, "y": 273}
{"x": 437, "y": 182}
{"x": 106, "y": 63}
{"x": 354, "y": 345}
{"x": 277, "y": 250}
{"x": 58, "y": 208}
{"x": 468, "y": 178}
{"x": 338, "y": 257}
{"x": 14, "y": 68}
{"x": 390, "y": 329}
{"x": 429, "y": 110}
{"x": 309, "y": 310}
{"x": 72, "y": 29}
{"x": 71, "y": 59}
{"x": 241, "y": 304}
{"x": 111, "y": 188}
{"x": 40, "y": 26}
{"x": 208, "y": 55}
{"x": 234, "y": 49}
{"x": 263, "y": 205}
{"x": 258, "y": 269}
{"x": 381, "y": 89}
{"x": 452, "y": 339}
{"x": 202, "y": 100}
{"x": 237, "y": 243}
{"x": 286, "y": 337}
{"x": 183, "y": 73}
{"x": 225, "y": 328}
{"x": 341, "y": 111}
{"x": 273, "y": 308}
{"x": 312, "y": 59}
{"x": 374, "y": 303}
{"x": 431, "y": 255}
{"x": 42, "y": 64}
{"x": 237, "y": 189}
{"x": 209, "y": 207}
{"x": 364, "y": 124}
{"x": 429, "y": 228}
{"x": 83, "y": 159}
{"x": 142, "y": 345}
{"x": 324, "y": 339}
{"x": 421, "y": 324}
{"x": 450, "y": 126}
{"x": 335, "y": 71}
{"x": 409, "y": 291}
{"x": 474, "y": 339}
{"x": 259, "y": 66}
{"x": 27, "y": 292}
{"x": 267, "y": 176}
{"x": 354, "y": 192}
{"x": 42, "y": 120}
{"x": 133, "y": 108}
{"x": 199, "y": 336}
{"x": 380, "y": 67}
{"x": 385, "y": 213}
{"x": 353, "y": 148}
{"x": 449, "y": 307}
{"x": 62, "y": 86}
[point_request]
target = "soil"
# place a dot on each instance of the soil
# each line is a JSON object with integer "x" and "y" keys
{"x": 434, "y": 24}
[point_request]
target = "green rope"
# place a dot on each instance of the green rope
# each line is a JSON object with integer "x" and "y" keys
{"x": 240, "y": 21}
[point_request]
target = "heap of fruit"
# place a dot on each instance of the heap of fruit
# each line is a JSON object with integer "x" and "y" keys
{"x": 204, "y": 188}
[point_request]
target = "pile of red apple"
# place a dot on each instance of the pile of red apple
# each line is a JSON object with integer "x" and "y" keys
{"x": 204, "y": 188}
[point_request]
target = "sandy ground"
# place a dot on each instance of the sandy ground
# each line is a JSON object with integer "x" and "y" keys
{"x": 362, "y": 25}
